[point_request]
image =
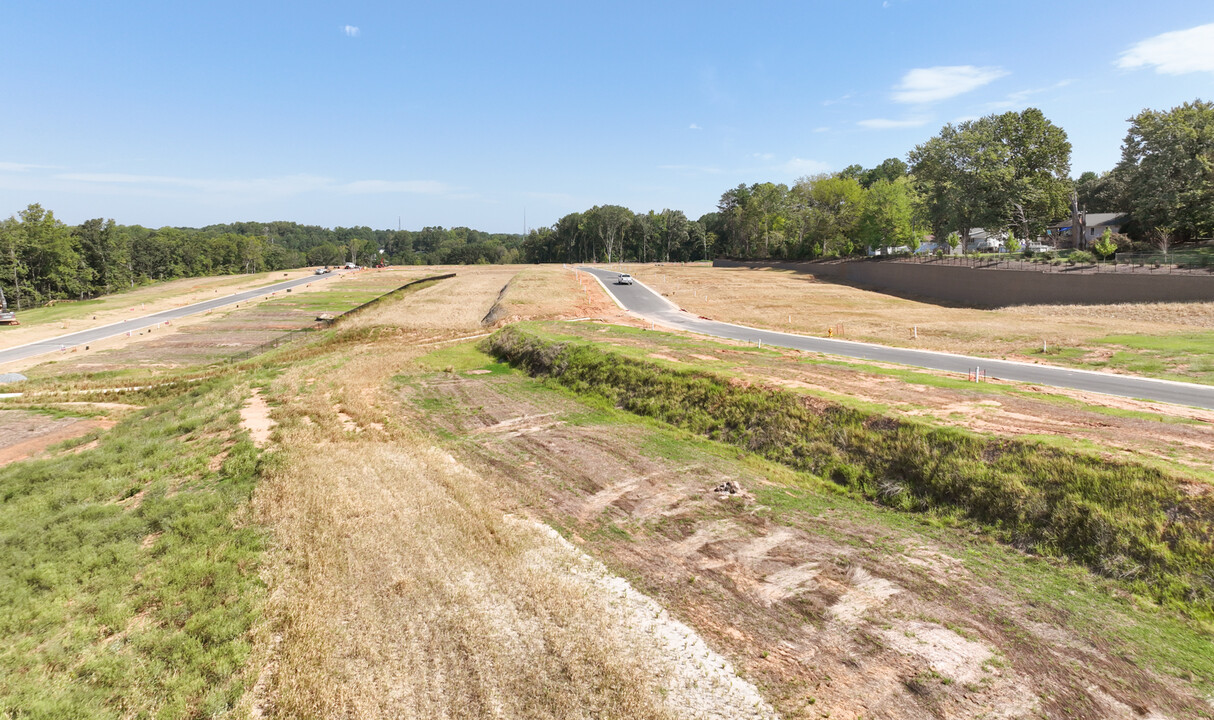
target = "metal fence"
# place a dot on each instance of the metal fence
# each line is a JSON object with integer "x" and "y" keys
{"x": 1125, "y": 264}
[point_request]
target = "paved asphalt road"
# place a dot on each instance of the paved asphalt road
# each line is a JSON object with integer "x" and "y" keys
{"x": 84, "y": 337}
{"x": 648, "y": 304}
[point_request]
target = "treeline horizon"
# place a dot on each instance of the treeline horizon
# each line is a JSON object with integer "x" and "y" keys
{"x": 1008, "y": 173}
{"x": 44, "y": 259}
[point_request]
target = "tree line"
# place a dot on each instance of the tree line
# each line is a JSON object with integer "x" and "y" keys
{"x": 1003, "y": 172}
{"x": 44, "y": 259}
{"x": 1006, "y": 172}
{"x": 611, "y": 233}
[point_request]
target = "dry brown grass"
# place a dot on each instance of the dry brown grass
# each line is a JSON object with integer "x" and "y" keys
{"x": 457, "y": 304}
{"x": 401, "y": 585}
{"x": 544, "y": 291}
{"x": 67, "y": 316}
{"x": 784, "y": 300}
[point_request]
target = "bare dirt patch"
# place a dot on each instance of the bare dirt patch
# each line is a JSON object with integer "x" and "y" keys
{"x": 819, "y": 611}
{"x": 255, "y": 418}
{"x": 402, "y": 588}
{"x": 26, "y": 434}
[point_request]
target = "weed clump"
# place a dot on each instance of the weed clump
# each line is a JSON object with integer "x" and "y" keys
{"x": 1124, "y": 520}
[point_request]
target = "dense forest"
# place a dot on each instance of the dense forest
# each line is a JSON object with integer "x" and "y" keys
{"x": 1004, "y": 173}
{"x": 42, "y": 259}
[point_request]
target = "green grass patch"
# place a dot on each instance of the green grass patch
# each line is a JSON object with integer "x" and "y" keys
{"x": 1124, "y": 520}
{"x": 463, "y": 358}
{"x": 324, "y": 301}
{"x": 128, "y": 581}
{"x": 1187, "y": 357}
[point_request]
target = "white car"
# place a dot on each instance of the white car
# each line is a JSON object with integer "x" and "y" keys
{"x": 320, "y": 271}
{"x": 1037, "y": 247}
{"x": 624, "y": 279}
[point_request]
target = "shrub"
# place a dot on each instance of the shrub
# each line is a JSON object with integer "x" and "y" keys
{"x": 1105, "y": 247}
{"x": 1126, "y": 520}
{"x": 1081, "y": 256}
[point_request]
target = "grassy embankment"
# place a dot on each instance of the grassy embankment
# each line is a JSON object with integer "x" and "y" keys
{"x": 129, "y": 585}
{"x": 129, "y": 578}
{"x": 1121, "y": 519}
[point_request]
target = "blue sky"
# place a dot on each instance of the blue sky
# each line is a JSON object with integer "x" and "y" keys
{"x": 456, "y": 113}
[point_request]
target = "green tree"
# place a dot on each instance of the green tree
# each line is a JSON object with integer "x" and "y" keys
{"x": 957, "y": 174}
{"x": 51, "y": 259}
{"x": 13, "y": 271}
{"x": 885, "y": 220}
{"x": 1167, "y": 162}
{"x": 675, "y": 234}
{"x": 1106, "y": 246}
{"x": 734, "y": 221}
{"x": 1101, "y": 193}
{"x": 1012, "y": 245}
{"x": 832, "y": 209}
{"x": 607, "y": 224}
{"x": 890, "y": 169}
{"x": 1000, "y": 169}
{"x": 769, "y": 214}
{"x": 1038, "y": 155}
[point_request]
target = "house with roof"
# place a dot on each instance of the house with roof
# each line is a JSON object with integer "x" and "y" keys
{"x": 1091, "y": 227}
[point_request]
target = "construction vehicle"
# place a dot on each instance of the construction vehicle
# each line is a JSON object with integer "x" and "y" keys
{"x": 7, "y": 317}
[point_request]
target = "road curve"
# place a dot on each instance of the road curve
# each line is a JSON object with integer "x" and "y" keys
{"x": 92, "y": 335}
{"x": 641, "y": 300}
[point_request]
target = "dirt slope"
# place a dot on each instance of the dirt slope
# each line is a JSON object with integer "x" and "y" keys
{"x": 831, "y": 608}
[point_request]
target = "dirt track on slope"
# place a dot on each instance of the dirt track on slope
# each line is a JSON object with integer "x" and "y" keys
{"x": 831, "y": 611}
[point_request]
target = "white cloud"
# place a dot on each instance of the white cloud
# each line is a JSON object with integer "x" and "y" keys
{"x": 836, "y": 101}
{"x": 763, "y": 156}
{"x": 927, "y": 85}
{"x": 1174, "y": 53}
{"x": 20, "y": 167}
{"x": 1020, "y": 97}
{"x": 822, "y": 129}
{"x": 693, "y": 126}
{"x": 276, "y": 186}
{"x": 421, "y": 187}
{"x": 282, "y": 186}
{"x": 887, "y": 124}
{"x": 351, "y": 31}
{"x": 801, "y": 166}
